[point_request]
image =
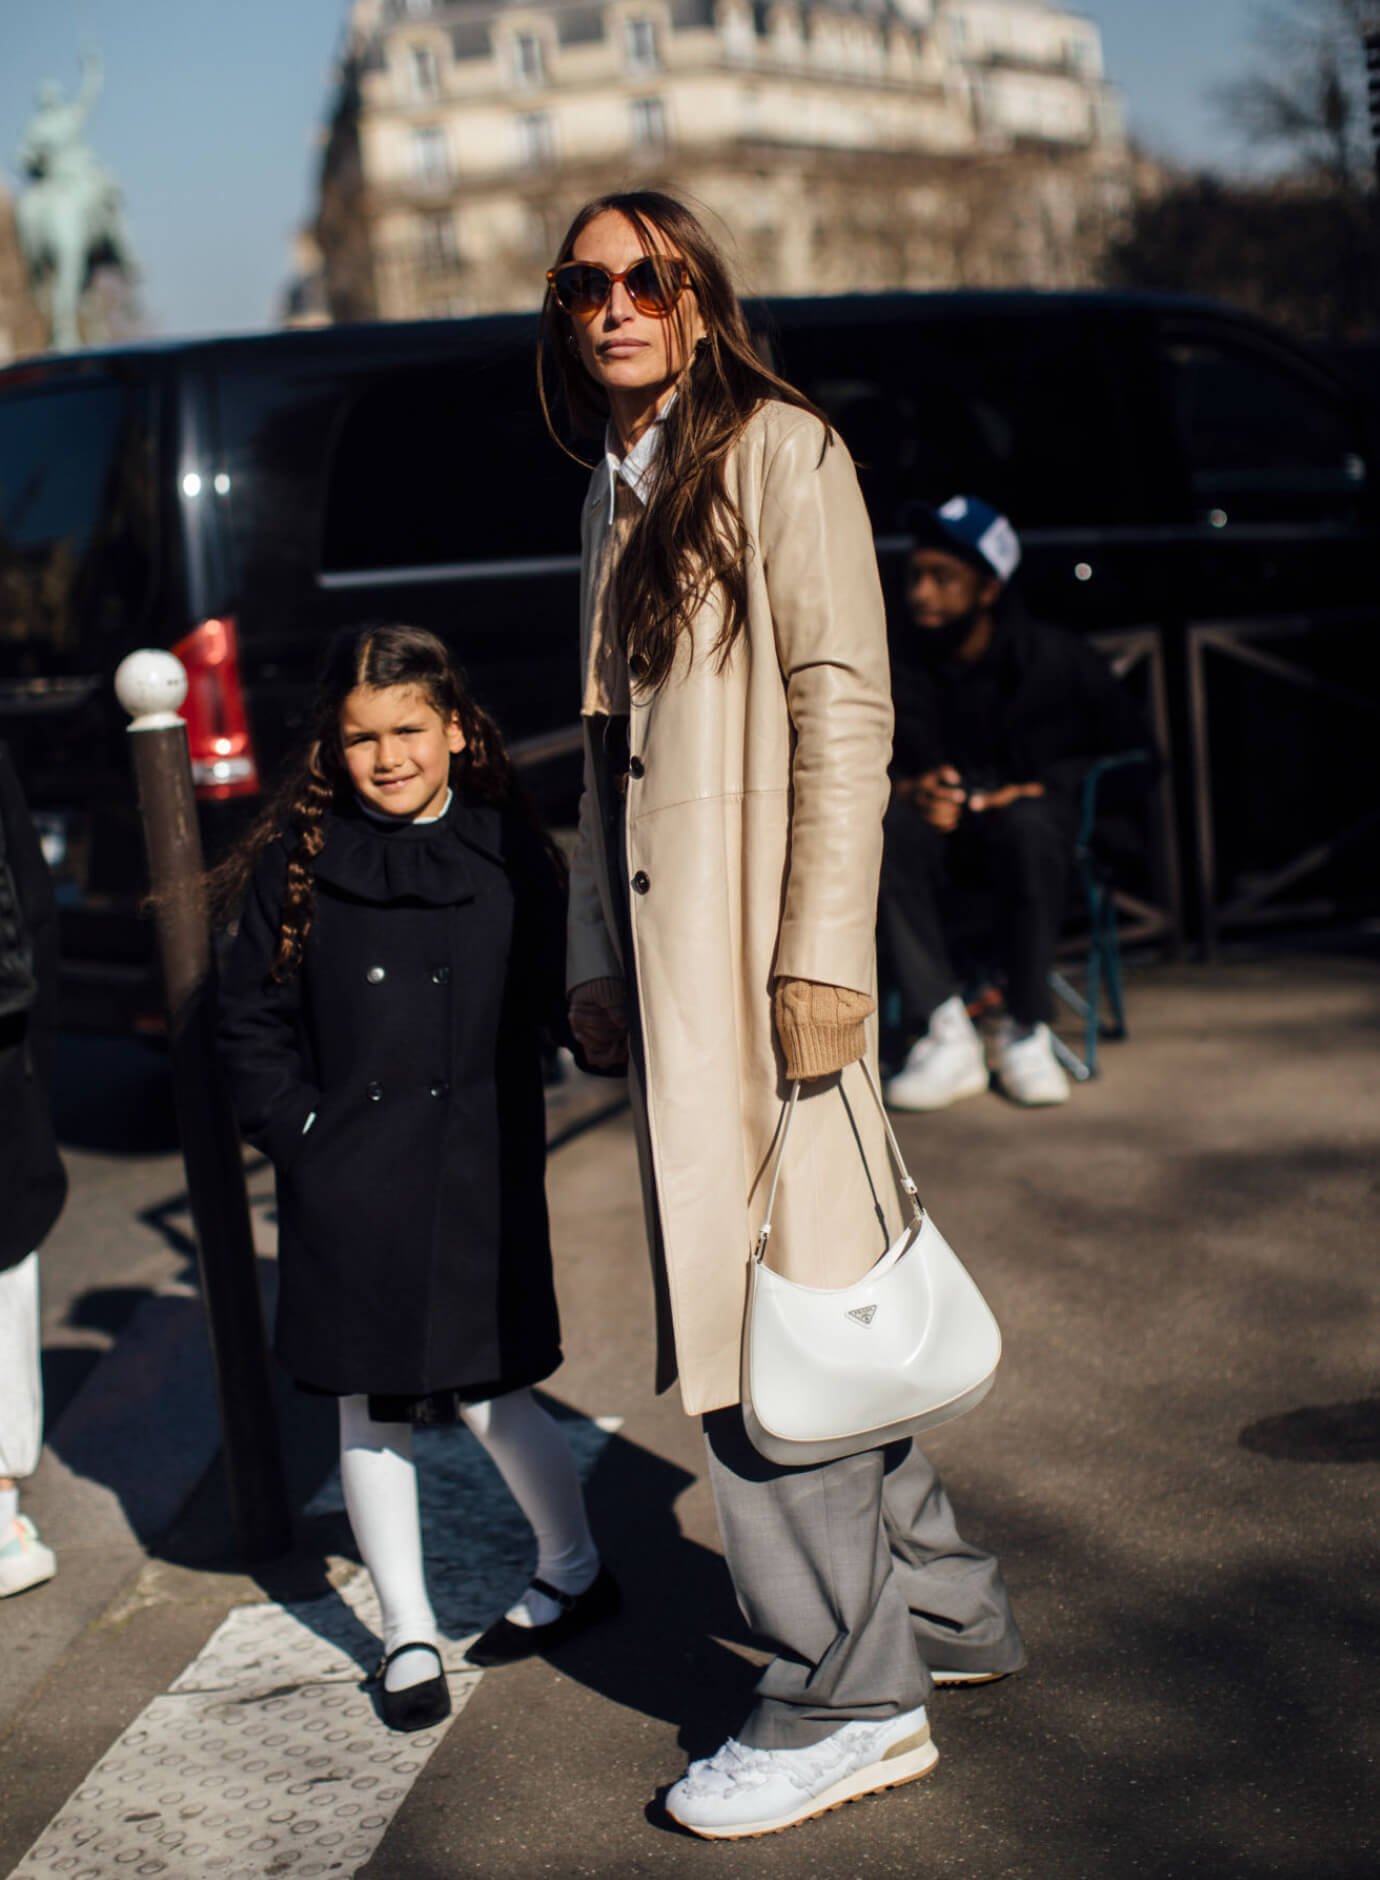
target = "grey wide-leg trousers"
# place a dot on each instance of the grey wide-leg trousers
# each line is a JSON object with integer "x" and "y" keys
{"x": 855, "y": 1573}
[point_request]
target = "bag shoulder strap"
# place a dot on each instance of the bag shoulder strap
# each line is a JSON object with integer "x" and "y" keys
{"x": 903, "y": 1178}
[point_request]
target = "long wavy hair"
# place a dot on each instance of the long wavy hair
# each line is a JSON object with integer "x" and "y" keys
{"x": 376, "y": 655}
{"x": 690, "y": 539}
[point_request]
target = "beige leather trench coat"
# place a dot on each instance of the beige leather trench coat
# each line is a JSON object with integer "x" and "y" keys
{"x": 754, "y": 839}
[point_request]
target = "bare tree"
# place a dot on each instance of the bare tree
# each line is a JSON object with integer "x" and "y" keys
{"x": 1305, "y": 95}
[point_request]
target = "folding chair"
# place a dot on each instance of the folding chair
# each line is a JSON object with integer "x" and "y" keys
{"x": 1104, "y": 944}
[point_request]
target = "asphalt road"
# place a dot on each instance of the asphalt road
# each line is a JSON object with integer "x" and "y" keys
{"x": 1180, "y": 1468}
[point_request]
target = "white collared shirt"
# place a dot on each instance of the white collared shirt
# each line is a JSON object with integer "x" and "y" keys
{"x": 638, "y": 468}
{"x": 385, "y": 821}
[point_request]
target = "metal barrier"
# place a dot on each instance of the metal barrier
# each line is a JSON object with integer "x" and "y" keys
{"x": 1161, "y": 917}
{"x": 1246, "y": 642}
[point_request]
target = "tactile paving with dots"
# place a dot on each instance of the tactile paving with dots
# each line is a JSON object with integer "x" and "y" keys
{"x": 267, "y": 1757}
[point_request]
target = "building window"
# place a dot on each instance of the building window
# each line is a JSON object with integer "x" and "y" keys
{"x": 536, "y": 143}
{"x": 529, "y": 64}
{"x": 648, "y": 124}
{"x": 639, "y": 44}
{"x": 423, "y": 71}
{"x": 438, "y": 248}
{"x": 429, "y": 159}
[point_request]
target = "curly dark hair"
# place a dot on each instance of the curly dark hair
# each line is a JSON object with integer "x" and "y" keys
{"x": 377, "y": 655}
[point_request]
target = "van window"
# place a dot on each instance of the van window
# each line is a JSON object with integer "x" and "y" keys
{"x": 1020, "y": 411}
{"x": 78, "y": 513}
{"x": 1261, "y": 443}
{"x": 449, "y": 465}
{"x": 275, "y": 425}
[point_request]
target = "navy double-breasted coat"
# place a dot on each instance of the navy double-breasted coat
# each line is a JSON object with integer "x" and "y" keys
{"x": 413, "y": 1241}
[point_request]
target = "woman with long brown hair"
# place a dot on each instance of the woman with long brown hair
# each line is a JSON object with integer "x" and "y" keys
{"x": 737, "y": 714}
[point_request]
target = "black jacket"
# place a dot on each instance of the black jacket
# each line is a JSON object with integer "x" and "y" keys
{"x": 413, "y": 1243}
{"x": 33, "y": 1183}
{"x": 1055, "y": 707}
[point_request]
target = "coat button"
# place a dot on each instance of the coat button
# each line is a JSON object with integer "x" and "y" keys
{"x": 440, "y": 1089}
{"x": 440, "y": 975}
{"x": 641, "y": 881}
{"x": 636, "y": 767}
{"x": 375, "y": 1093}
{"x": 375, "y": 975}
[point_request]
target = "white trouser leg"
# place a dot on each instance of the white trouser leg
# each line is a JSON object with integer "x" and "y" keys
{"x": 534, "y": 1459}
{"x": 380, "y": 1484}
{"x": 21, "y": 1378}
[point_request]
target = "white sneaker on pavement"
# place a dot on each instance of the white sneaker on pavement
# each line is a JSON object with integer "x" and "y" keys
{"x": 24, "y": 1560}
{"x": 1026, "y": 1066}
{"x": 944, "y": 1065}
{"x": 740, "y": 1791}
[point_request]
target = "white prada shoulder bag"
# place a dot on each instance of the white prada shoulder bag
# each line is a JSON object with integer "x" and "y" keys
{"x": 829, "y": 1372}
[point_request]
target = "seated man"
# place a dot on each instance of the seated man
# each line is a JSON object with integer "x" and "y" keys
{"x": 998, "y": 717}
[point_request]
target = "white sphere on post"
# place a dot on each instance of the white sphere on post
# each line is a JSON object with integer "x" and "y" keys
{"x": 151, "y": 684}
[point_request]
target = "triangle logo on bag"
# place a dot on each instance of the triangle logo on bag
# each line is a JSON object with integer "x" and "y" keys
{"x": 863, "y": 1314}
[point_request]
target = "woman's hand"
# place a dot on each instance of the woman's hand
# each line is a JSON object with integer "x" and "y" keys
{"x": 821, "y": 1028}
{"x": 599, "y": 1020}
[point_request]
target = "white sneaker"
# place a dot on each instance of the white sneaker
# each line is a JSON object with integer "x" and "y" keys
{"x": 739, "y": 1791}
{"x": 946, "y": 1064}
{"x": 1027, "y": 1068}
{"x": 24, "y": 1560}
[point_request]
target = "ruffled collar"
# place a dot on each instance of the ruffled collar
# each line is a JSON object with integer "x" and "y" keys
{"x": 431, "y": 863}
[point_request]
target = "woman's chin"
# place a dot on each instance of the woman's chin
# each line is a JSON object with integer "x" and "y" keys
{"x": 632, "y": 375}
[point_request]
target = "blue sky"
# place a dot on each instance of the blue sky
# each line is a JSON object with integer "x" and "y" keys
{"x": 212, "y": 112}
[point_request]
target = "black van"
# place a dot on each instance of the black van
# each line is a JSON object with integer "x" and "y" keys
{"x": 1166, "y": 462}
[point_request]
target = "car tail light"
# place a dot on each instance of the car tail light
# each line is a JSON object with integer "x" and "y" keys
{"x": 217, "y": 725}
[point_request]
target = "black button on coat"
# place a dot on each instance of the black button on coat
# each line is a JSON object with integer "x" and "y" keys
{"x": 412, "y": 1228}
{"x": 33, "y": 1183}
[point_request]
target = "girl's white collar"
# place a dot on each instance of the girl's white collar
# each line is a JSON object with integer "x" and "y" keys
{"x": 385, "y": 821}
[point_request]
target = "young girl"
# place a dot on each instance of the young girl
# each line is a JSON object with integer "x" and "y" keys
{"x": 398, "y": 953}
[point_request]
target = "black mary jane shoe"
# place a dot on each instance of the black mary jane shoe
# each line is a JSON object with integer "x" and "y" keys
{"x": 417, "y": 1706}
{"x": 504, "y": 1643}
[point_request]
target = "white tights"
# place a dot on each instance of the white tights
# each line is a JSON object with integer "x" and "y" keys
{"x": 380, "y": 1484}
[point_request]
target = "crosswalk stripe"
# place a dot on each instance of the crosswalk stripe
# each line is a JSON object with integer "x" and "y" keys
{"x": 266, "y": 1757}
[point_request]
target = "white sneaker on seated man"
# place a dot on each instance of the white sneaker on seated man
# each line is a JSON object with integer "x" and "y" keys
{"x": 950, "y": 1062}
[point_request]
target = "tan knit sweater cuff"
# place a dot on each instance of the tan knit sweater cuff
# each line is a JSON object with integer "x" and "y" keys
{"x": 820, "y": 1027}
{"x": 606, "y": 992}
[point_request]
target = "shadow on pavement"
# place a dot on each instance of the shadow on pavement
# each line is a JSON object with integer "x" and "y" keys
{"x": 1337, "y": 1432}
{"x": 1180, "y": 1730}
{"x": 141, "y": 1420}
{"x": 668, "y": 1654}
{"x": 66, "y": 1367}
